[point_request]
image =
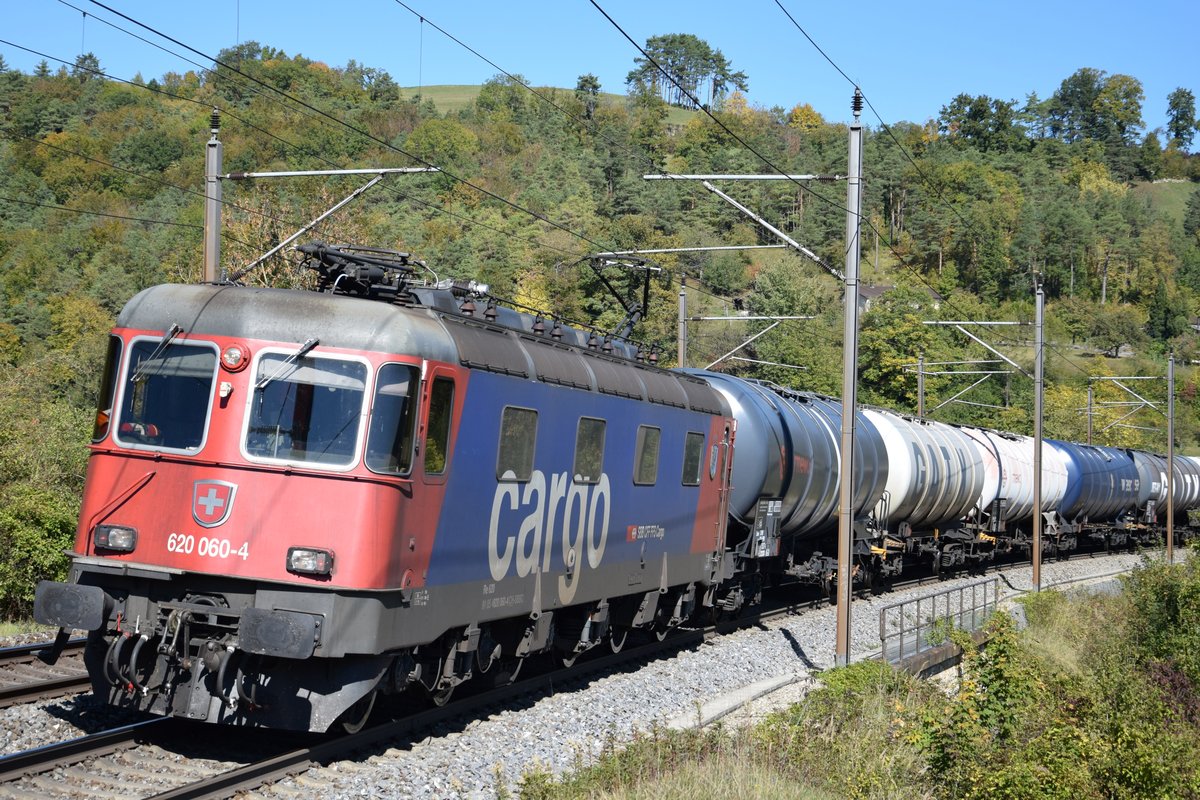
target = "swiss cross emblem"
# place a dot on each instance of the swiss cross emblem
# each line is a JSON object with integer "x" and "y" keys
{"x": 212, "y": 501}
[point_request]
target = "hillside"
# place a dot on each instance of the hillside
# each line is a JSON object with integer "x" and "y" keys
{"x": 101, "y": 195}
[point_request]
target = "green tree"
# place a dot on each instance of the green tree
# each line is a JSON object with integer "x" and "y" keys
{"x": 690, "y": 65}
{"x": 1181, "y": 117}
{"x": 1191, "y": 215}
{"x": 587, "y": 89}
{"x": 1167, "y": 315}
{"x": 1115, "y": 326}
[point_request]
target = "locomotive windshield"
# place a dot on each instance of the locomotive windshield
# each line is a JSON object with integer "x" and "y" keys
{"x": 166, "y": 398}
{"x": 306, "y": 409}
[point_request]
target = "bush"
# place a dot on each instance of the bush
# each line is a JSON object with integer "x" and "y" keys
{"x": 36, "y": 527}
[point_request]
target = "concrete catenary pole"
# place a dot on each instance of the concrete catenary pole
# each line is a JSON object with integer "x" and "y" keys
{"x": 845, "y": 577}
{"x": 1038, "y": 387}
{"x": 212, "y": 202}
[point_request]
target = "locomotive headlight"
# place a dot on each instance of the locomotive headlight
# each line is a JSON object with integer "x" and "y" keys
{"x": 309, "y": 561}
{"x": 235, "y": 357}
{"x": 119, "y": 538}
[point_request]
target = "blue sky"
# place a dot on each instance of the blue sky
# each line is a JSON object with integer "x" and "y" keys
{"x": 910, "y": 59}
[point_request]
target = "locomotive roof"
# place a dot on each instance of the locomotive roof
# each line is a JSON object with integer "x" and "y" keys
{"x": 436, "y": 333}
{"x": 288, "y": 315}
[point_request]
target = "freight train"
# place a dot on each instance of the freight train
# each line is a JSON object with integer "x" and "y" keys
{"x": 297, "y": 501}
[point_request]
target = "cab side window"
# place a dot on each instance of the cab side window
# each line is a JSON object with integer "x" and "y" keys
{"x": 393, "y": 420}
{"x": 437, "y": 438}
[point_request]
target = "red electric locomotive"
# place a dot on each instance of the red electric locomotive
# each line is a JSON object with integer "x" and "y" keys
{"x": 296, "y": 500}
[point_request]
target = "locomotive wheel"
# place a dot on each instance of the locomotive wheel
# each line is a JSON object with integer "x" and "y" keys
{"x": 484, "y": 663}
{"x": 616, "y": 640}
{"x": 508, "y": 671}
{"x": 441, "y": 696}
{"x": 355, "y": 717}
{"x": 568, "y": 658}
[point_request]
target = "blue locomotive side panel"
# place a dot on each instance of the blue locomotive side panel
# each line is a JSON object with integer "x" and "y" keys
{"x": 515, "y": 507}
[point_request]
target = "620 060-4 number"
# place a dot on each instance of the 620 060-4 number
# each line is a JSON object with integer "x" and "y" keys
{"x": 206, "y": 546}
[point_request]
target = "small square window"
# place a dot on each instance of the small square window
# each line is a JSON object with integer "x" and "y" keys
{"x": 645, "y": 467}
{"x": 518, "y": 433}
{"x": 589, "y": 450}
{"x": 693, "y": 458}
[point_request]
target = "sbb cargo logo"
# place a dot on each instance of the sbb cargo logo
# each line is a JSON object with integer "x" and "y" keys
{"x": 559, "y": 516}
{"x": 639, "y": 533}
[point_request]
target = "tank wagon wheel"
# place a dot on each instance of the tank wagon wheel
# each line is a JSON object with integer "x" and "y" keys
{"x": 829, "y": 589}
{"x": 354, "y": 718}
{"x": 616, "y": 638}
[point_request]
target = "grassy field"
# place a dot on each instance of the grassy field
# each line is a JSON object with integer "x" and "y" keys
{"x": 1169, "y": 197}
{"x": 451, "y": 99}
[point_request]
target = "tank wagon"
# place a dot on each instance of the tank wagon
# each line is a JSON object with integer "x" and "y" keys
{"x": 297, "y": 501}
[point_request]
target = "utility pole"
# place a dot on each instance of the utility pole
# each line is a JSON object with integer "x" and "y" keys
{"x": 1171, "y": 458}
{"x": 1090, "y": 409}
{"x": 921, "y": 386}
{"x": 845, "y": 577}
{"x": 682, "y": 360}
{"x": 1038, "y": 388}
{"x": 212, "y": 201}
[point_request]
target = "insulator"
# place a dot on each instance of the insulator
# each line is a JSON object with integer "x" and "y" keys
{"x": 608, "y": 346}
{"x": 215, "y": 121}
{"x": 556, "y": 332}
{"x": 490, "y": 312}
{"x": 539, "y": 327}
{"x": 593, "y": 342}
{"x": 856, "y": 103}
{"x": 467, "y": 309}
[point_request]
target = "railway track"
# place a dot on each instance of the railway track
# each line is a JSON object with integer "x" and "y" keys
{"x": 130, "y": 761}
{"x": 162, "y": 759}
{"x": 25, "y": 678}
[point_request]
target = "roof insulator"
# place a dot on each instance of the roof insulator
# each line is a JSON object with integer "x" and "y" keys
{"x": 556, "y": 331}
{"x": 490, "y": 312}
{"x": 467, "y": 309}
{"x": 539, "y": 327}
{"x": 608, "y": 345}
{"x": 593, "y": 342}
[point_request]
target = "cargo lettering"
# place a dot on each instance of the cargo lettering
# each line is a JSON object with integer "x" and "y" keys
{"x": 576, "y": 514}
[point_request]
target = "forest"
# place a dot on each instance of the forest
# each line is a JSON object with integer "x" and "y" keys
{"x": 101, "y": 195}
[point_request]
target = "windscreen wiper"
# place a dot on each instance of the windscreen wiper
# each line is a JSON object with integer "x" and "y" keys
{"x": 142, "y": 371}
{"x": 304, "y": 350}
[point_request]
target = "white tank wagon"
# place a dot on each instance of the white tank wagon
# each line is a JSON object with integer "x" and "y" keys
{"x": 935, "y": 473}
{"x": 1007, "y": 494}
{"x": 1152, "y": 489}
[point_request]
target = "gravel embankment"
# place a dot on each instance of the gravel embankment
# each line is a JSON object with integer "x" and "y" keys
{"x": 559, "y": 731}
